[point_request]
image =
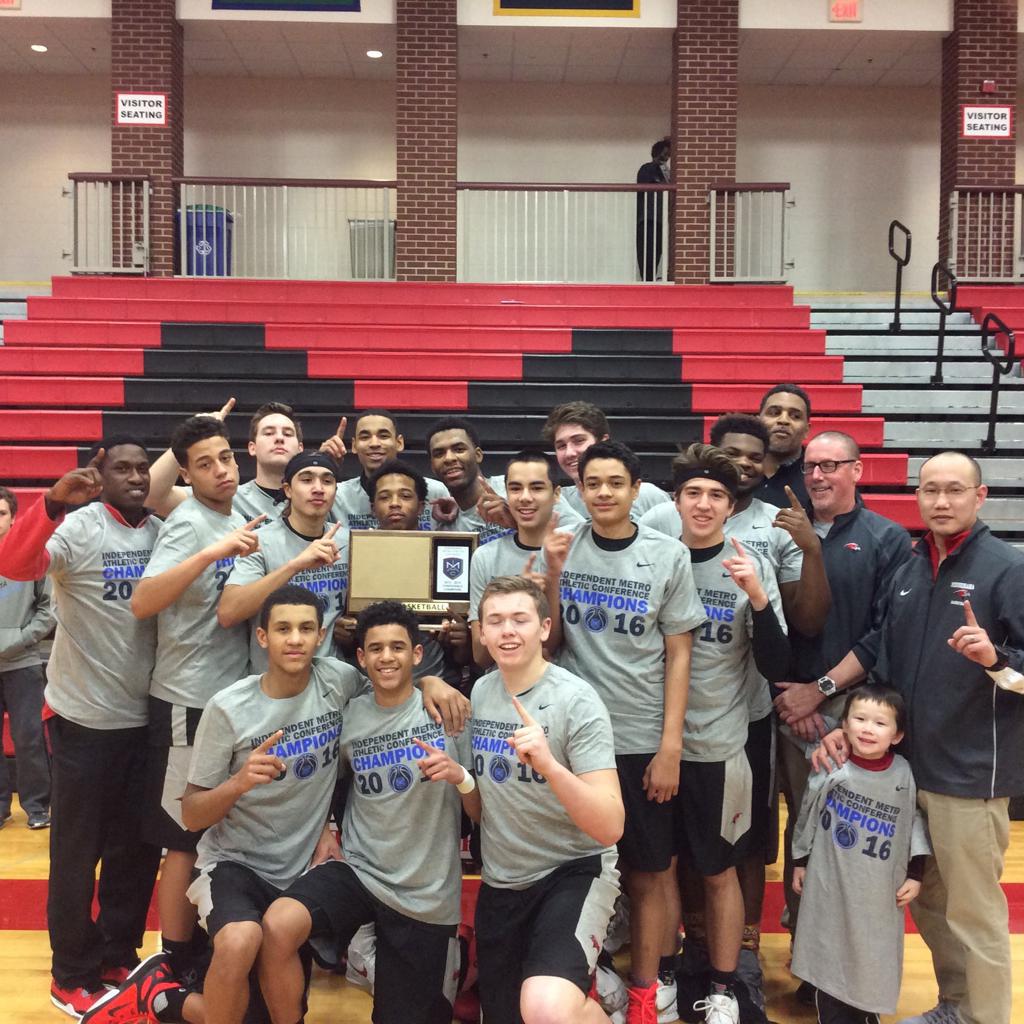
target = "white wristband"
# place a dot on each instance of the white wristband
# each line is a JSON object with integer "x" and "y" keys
{"x": 468, "y": 783}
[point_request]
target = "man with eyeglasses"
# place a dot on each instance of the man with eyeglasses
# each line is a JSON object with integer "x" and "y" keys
{"x": 862, "y": 551}
{"x": 953, "y": 645}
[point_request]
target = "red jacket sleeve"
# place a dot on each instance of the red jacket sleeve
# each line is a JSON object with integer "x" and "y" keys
{"x": 23, "y": 554}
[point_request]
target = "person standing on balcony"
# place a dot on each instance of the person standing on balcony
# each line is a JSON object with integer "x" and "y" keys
{"x": 650, "y": 229}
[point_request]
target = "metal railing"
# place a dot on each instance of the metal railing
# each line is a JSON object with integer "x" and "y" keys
{"x": 280, "y": 228}
{"x": 1000, "y": 368}
{"x": 109, "y": 223}
{"x": 985, "y": 234}
{"x": 946, "y": 308}
{"x": 749, "y": 231}
{"x": 901, "y": 262}
{"x": 611, "y": 234}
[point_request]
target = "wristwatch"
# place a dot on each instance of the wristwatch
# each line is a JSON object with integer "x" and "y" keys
{"x": 827, "y": 686}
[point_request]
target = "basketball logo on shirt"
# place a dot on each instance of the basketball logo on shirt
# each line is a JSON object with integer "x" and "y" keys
{"x": 500, "y": 769}
{"x": 595, "y": 620}
{"x": 305, "y": 766}
{"x": 845, "y": 835}
{"x": 399, "y": 778}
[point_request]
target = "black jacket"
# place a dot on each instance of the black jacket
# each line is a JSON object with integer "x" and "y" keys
{"x": 965, "y": 735}
{"x": 861, "y": 552}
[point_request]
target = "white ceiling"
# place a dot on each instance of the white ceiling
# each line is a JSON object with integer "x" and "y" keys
{"x": 573, "y": 55}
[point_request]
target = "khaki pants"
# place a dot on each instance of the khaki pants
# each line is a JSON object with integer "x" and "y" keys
{"x": 961, "y": 912}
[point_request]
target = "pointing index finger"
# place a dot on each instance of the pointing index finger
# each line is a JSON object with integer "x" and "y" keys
{"x": 426, "y": 747}
{"x": 265, "y": 746}
{"x": 97, "y": 460}
{"x": 253, "y": 523}
{"x": 342, "y": 425}
{"x": 523, "y": 713}
{"x": 552, "y": 523}
{"x": 226, "y": 408}
{"x": 794, "y": 501}
{"x": 969, "y": 614}
{"x": 329, "y": 535}
{"x": 740, "y": 550}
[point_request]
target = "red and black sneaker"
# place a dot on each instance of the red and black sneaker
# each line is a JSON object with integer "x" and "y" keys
{"x": 114, "y": 977}
{"x": 75, "y": 1001}
{"x": 132, "y": 1001}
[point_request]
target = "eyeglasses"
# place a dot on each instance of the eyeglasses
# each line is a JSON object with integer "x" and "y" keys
{"x": 826, "y": 466}
{"x": 952, "y": 492}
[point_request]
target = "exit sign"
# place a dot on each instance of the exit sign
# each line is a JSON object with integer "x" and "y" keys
{"x": 845, "y": 10}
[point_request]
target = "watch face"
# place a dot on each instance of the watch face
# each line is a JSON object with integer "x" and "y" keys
{"x": 827, "y": 686}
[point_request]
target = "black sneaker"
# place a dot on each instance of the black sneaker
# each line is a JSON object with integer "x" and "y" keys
{"x": 41, "y": 819}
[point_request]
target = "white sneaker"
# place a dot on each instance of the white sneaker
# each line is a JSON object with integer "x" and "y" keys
{"x": 611, "y": 993}
{"x": 362, "y": 958}
{"x": 720, "y": 1009}
{"x": 665, "y": 999}
{"x": 945, "y": 1012}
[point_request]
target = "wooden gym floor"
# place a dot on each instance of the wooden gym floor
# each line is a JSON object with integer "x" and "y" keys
{"x": 25, "y": 954}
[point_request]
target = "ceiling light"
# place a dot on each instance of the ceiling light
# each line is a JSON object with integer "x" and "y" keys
{"x": 39, "y": 48}
{"x": 374, "y": 54}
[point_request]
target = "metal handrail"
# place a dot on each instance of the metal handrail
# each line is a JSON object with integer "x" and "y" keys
{"x": 901, "y": 262}
{"x": 945, "y": 309}
{"x": 551, "y": 186}
{"x": 1000, "y": 367}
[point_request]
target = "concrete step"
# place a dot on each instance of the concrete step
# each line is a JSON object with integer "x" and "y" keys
{"x": 939, "y": 401}
{"x": 1007, "y": 472}
{"x": 899, "y": 345}
{"x": 920, "y": 372}
{"x": 883, "y": 318}
{"x": 944, "y": 433}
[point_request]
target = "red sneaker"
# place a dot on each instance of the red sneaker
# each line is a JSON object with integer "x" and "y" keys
{"x": 132, "y": 1002}
{"x": 643, "y": 1005}
{"x": 75, "y": 1001}
{"x": 114, "y": 977}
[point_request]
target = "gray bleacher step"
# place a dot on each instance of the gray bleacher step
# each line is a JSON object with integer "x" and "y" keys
{"x": 945, "y": 433}
{"x": 883, "y": 318}
{"x": 1006, "y": 472}
{"x": 1003, "y": 513}
{"x": 939, "y": 401}
{"x": 899, "y": 345}
{"x": 920, "y": 372}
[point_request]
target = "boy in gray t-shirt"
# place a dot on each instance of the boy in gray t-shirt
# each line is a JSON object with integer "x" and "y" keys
{"x": 550, "y": 812}
{"x": 299, "y": 548}
{"x": 400, "y": 867}
{"x": 629, "y": 606}
{"x": 859, "y": 847}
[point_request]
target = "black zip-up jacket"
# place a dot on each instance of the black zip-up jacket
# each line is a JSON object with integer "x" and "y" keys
{"x": 862, "y": 552}
{"x": 965, "y": 734}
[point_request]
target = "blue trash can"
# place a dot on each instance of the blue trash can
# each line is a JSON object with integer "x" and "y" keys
{"x": 207, "y": 240}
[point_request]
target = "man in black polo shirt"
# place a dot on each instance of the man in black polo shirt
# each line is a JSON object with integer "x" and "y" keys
{"x": 786, "y": 412}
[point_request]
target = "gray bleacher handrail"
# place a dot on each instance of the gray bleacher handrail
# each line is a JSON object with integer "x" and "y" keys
{"x": 945, "y": 309}
{"x": 1000, "y": 367}
{"x": 901, "y": 262}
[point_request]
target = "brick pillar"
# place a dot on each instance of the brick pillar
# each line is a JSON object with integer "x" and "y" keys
{"x": 147, "y": 49}
{"x": 426, "y": 60}
{"x": 705, "y": 61}
{"x": 982, "y": 45}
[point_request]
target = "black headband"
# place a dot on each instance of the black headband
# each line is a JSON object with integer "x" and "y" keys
{"x": 304, "y": 460}
{"x": 704, "y": 473}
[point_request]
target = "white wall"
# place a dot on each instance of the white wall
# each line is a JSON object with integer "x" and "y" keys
{"x": 856, "y": 157}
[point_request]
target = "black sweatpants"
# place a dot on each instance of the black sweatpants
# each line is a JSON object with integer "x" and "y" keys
{"x": 96, "y": 805}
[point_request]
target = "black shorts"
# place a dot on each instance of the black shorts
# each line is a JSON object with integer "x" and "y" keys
{"x": 554, "y": 928}
{"x": 648, "y": 841}
{"x": 166, "y": 779}
{"x": 760, "y": 751}
{"x": 417, "y": 963}
{"x": 227, "y": 893}
{"x": 715, "y": 812}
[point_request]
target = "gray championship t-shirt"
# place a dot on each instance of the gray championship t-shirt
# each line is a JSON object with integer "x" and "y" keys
{"x": 251, "y": 501}
{"x": 717, "y": 709}
{"x": 502, "y": 557}
{"x": 650, "y": 496}
{"x": 617, "y": 608}
{"x": 279, "y": 544}
{"x": 401, "y": 832}
{"x": 352, "y": 505}
{"x": 860, "y": 829}
{"x": 102, "y": 658}
{"x": 195, "y": 656}
{"x": 753, "y": 526}
{"x": 525, "y": 831}
{"x": 273, "y": 829}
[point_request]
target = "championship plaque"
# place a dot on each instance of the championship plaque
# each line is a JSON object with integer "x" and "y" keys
{"x": 427, "y": 570}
